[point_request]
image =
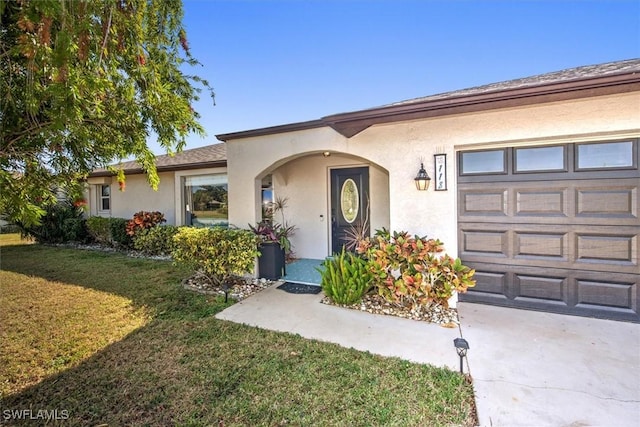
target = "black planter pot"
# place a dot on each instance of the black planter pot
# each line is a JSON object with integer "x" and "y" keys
{"x": 271, "y": 261}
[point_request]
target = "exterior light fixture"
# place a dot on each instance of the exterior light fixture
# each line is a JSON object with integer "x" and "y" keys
{"x": 422, "y": 179}
{"x": 326, "y": 153}
{"x": 225, "y": 288}
{"x": 461, "y": 346}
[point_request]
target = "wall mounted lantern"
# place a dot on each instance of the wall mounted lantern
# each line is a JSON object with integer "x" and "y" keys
{"x": 461, "y": 346}
{"x": 422, "y": 179}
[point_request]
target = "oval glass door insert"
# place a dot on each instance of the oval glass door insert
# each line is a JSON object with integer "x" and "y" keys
{"x": 349, "y": 200}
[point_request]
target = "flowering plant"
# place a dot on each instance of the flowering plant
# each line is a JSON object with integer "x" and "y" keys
{"x": 272, "y": 232}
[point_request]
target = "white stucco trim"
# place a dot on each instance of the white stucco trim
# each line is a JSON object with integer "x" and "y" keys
{"x": 554, "y": 140}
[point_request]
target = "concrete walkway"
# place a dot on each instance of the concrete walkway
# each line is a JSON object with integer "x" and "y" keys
{"x": 528, "y": 368}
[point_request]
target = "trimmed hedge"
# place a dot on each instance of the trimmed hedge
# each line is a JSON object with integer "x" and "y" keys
{"x": 109, "y": 231}
{"x": 99, "y": 229}
{"x": 119, "y": 235}
{"x": 157, "y": 240}
{"x": 217, "y": 252}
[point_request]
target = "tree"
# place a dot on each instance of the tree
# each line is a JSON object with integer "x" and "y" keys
{"x": 83, "y": 84}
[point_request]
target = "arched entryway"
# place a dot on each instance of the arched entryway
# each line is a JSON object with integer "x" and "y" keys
{"x": 305, "y": 182}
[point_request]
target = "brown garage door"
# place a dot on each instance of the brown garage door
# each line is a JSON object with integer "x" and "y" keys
{"x": 553, "y": 228}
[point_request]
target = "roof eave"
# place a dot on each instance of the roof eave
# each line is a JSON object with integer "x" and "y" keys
{"x": 352, "y": 123}
{"x": 168, "y": 168}
{"x": 272, "y": 130}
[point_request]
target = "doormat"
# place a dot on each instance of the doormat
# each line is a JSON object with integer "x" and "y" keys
{"x": 299, "y": 288}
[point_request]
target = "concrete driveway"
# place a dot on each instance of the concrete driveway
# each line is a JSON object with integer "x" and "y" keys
{"x": 528, "y": 368}
{"x": 539, "y": 369}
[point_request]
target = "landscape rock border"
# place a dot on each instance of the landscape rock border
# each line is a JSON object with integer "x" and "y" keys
{"x": 376, "y": 304}
{"x": 241, "y": 287}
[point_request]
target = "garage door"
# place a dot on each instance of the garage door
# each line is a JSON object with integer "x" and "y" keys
{"x": 553, "y": 228}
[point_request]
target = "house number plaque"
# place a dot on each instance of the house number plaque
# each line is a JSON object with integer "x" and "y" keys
{"x": 440, "y": 161}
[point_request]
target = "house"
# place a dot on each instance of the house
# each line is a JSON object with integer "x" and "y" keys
{"x": 534, "y": 183}
{"x": 192, "y": 189}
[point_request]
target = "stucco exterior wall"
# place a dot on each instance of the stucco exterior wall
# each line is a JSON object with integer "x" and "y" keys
{"x": 138, "y": 195}
{"x": 399, "y": 147}
{"x": 306, "y": 184}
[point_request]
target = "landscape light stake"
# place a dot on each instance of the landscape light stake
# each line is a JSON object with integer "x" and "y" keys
{"x": 461, "y": 347}
{"x": 225, "y": 288}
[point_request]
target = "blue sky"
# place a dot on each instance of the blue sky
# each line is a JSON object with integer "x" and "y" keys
{"x": 275, "y": 62}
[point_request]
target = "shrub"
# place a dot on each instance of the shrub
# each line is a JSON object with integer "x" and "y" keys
{"x": 156, "y": 240}
{"x": 119, "y": 235}
{"x": 10, "y": 229}
{"x": 217, "y": 252}
{"x": 75, "y": 230}
{"x": 346, "y": 278}
{"x": 99, "y": 229}
{"x": 109, "y": 231}
{"x": 143, "y": 221}
{"x": 52, "y": 224}
{"x": 407, "y": 271}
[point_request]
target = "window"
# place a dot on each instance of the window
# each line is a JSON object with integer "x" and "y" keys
{"x": 267, "y": 198}
{"x": 605, "y": 155}
{"x": 206, "y": 200}
{"x": 492, "y": 161}
{"x": 540, "y": 159}
{"x": 104, "y": 197}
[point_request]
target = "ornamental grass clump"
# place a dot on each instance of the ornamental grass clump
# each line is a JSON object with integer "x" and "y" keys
{"x": 408, "y": 271}
{"x": 345, "y": 278}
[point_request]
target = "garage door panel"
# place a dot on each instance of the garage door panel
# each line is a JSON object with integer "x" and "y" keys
{"x": 486, "y": 242}
{"x": 492, "y": 283}
{"x": 607, "y": 248}
{"x": 593, "y": 248}
{"x": 540, "y": 288}
{"x": 541, "y": 202}
{"x": 553, "y": 246}
{"x": 598, "y": 294}
{"x": 616, "y": 203}
{"x": 593, "y": 202}
{"x": 616, "y": 295}
{"x": 492, "y": 203}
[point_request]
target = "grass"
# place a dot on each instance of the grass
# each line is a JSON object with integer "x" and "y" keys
{"x": 115, "y": 340}
{"x": 13, "y": 239}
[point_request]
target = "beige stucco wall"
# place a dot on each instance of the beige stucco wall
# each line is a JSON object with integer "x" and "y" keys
{"x": 305, "y": 182}
{"x": 137, "y": 196}
{"x": 398, "y": 149}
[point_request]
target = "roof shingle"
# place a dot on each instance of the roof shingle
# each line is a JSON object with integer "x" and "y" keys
{"x": 207, "y": 156}
{"x": 577, "y": 73}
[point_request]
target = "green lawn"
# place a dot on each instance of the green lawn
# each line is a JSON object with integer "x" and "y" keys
{"x": 115, "y": 340}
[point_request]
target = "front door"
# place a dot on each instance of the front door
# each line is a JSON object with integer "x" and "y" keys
{"x": 349, "y": 204}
